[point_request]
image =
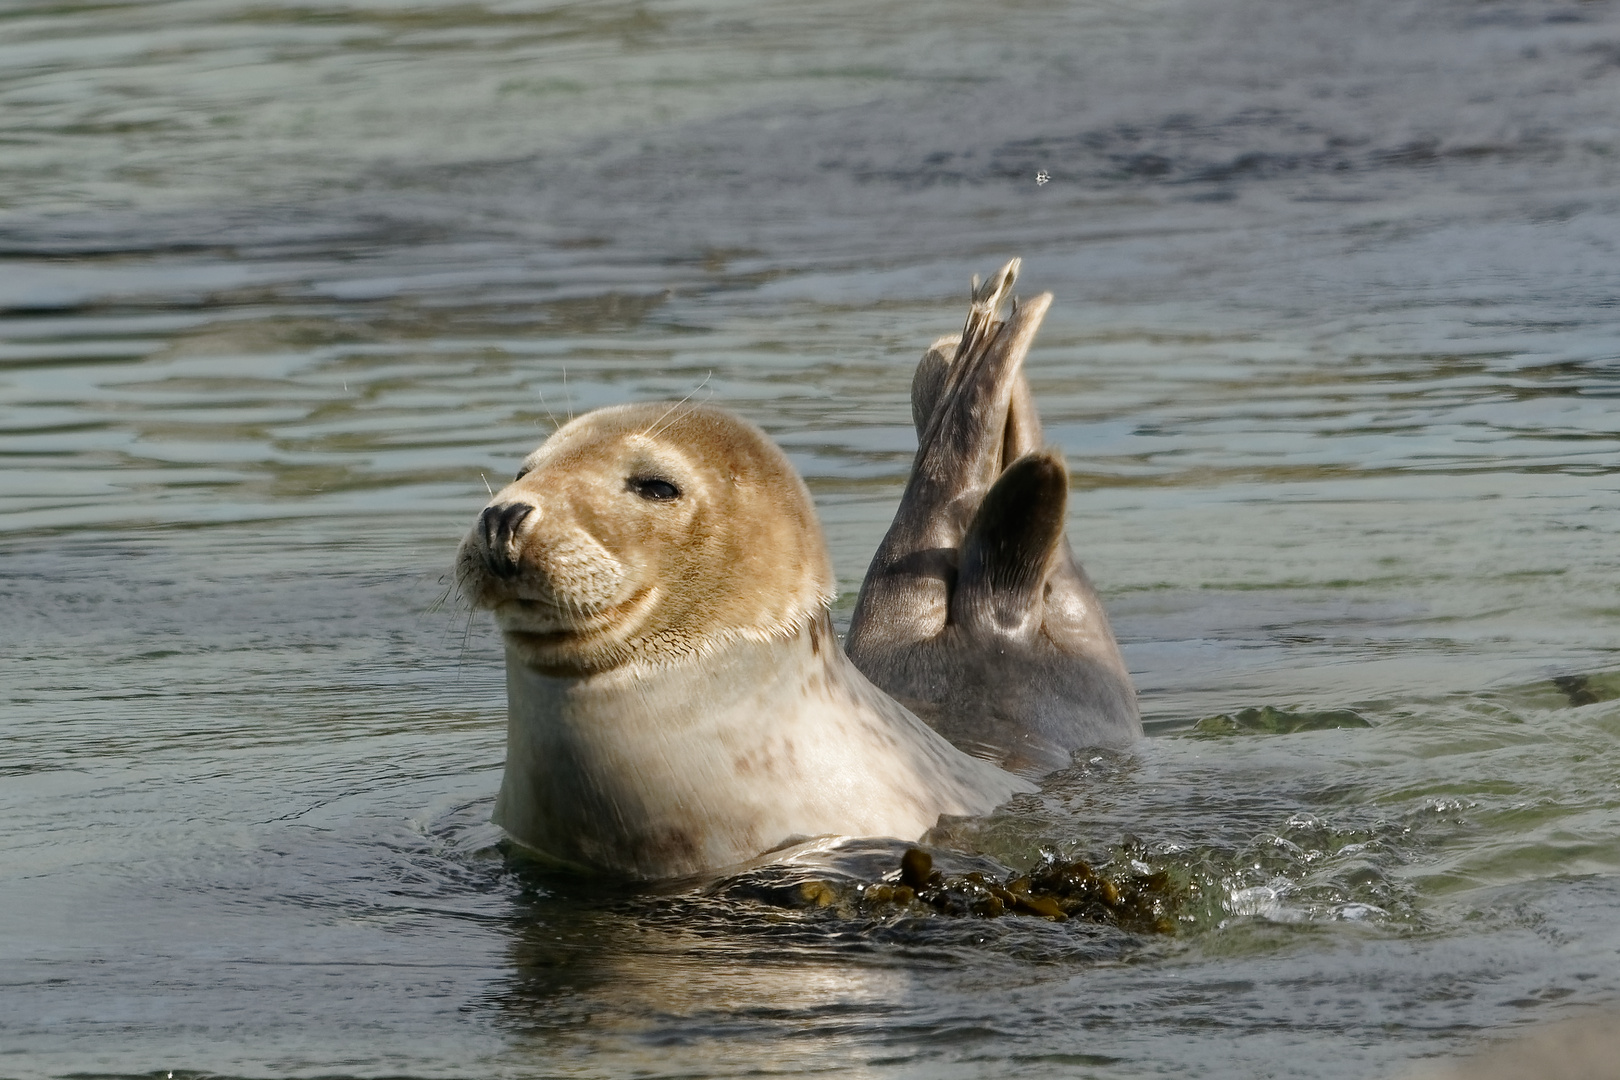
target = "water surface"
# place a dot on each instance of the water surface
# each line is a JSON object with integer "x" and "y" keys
{"x": 282, "y": 286}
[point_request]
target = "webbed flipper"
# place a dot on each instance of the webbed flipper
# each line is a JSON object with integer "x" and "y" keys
{"x": 974, "y": 612}
{"x": 1008, "y": 550}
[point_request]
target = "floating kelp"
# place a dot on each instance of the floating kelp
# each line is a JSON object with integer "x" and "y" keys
{"x": 1147, "y": 901}
{"x": 1267, "y": 720}
{"x": 1056, "y": 889}
{"x": 1305, "y": 869}
{"x": 1588, "y": 689}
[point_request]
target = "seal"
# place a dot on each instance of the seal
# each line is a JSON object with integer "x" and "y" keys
{"x": 975, "y": 613}
{"x": 677, "y": 699}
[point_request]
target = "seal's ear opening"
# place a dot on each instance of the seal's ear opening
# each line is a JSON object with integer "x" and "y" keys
{"x": 1008, "y": 547}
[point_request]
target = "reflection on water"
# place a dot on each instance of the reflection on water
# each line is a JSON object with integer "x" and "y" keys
{"x": 1332, "y": 362}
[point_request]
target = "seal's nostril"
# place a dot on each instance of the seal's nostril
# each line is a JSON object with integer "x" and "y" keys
{"x": 499, "y": 525}
{"x": 487, "y": 523}
{"x": 512, "y": 518}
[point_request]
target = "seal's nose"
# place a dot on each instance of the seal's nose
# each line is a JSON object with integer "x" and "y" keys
{"x": 500, "y": 526}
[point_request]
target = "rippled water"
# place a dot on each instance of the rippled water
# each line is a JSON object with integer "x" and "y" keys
{"x": 1333, "y": 361}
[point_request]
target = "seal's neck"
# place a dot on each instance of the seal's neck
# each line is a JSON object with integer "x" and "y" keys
{"x": 667, "y": 770}
{"x": 628, "y": 769}
{"x": 651, "y": 699}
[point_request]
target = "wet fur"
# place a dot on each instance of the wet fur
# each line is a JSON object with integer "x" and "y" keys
{"x": 975, "y": 613}
{"x": 677, "y": 701}
{"x": 695, "y": 766}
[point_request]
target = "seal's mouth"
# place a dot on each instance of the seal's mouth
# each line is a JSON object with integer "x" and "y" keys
{"x": 537, "y": 619}
{"x": 533, "y": 640}
{"x": 545, "y": 629}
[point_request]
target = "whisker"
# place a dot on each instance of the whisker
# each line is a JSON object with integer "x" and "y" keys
{"x": 653, "y": 429}
{"x": 544, "y": 404}
{"x": 466, "y": 635}
{"x": 438, "y": 605}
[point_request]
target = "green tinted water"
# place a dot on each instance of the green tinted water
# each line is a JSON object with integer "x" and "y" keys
{"x": 1332, "y": 360}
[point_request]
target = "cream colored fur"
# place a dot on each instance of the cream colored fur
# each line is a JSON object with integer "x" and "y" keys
{"x": 677, "y": 701}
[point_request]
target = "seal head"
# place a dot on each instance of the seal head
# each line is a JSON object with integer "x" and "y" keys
{"x": 677, "y": 700}
{"x": 975, "y": 613}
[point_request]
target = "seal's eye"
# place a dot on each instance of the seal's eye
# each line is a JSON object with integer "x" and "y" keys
{"x": 654, "y": 489}
{"x": 521, "y": 474}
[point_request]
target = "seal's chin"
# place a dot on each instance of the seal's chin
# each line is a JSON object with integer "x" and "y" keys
{"x": 536, "y": 618}
{"x": 562, "y": 640}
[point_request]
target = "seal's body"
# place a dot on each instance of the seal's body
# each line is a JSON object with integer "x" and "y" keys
{"x": 975, "y": 613}
{"x": 677, "y": 701}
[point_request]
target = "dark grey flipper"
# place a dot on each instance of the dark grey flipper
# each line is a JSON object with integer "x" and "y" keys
{"x": 1008, "y": 550}
{"x": 974, "y": 612}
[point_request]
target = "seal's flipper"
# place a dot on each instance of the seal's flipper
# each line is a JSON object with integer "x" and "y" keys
{"x": 975, "y": 612}
{"x": 962, "y": 395}
{"x": 959, "y": 454}
{"x": 1022, "y": 434}
{"x": 1009, "y": 548}
{"x": 928, "y": 384}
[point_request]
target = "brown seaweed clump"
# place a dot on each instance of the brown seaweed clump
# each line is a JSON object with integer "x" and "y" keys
{"x": 1056, "y": 889}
